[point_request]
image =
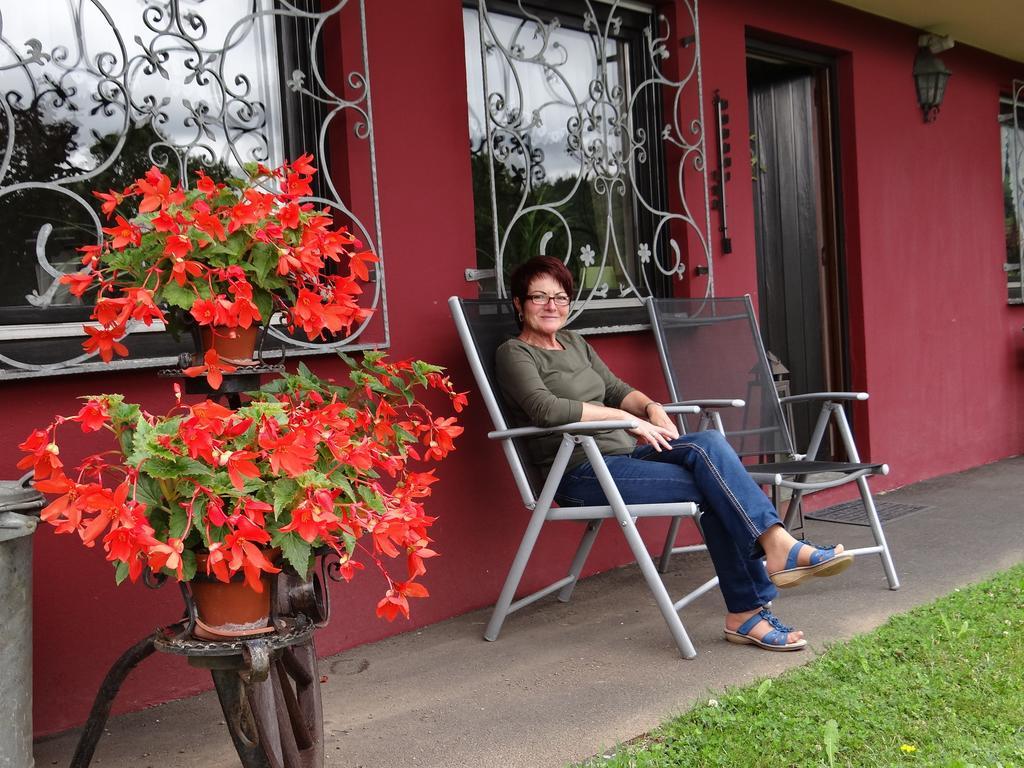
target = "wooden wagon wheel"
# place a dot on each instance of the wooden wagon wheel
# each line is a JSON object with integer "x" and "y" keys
{"x": 276, "y": 722}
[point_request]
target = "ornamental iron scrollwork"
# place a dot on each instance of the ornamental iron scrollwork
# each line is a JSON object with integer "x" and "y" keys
{"x": 96, "y": 91}
{"x": 585, "y": 148}
{"x": 1012, "y": 133}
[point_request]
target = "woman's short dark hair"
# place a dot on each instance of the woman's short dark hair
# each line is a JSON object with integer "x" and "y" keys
{"x": 528, "y": 271}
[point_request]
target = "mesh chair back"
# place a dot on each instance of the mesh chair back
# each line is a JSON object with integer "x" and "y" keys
{"x": 483, "y": 325}
{"x": 711, "y": 349}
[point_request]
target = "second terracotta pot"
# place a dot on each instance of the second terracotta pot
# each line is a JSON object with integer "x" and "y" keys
{"x": 231, "y": 344}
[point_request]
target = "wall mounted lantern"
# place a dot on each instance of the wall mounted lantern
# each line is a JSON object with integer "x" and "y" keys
{"x": 930, "y": 74}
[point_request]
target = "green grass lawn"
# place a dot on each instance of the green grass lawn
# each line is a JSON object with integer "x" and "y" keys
{"x": 942, "y": 685}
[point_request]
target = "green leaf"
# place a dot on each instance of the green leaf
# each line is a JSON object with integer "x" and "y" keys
{"x": 350, "y": 542}
{"x": 297, "y": 553}
{"x": 264, "y": 303}
{"x": 371, "y": 499}
{"x": 165, "y": 469}
{"x": 121, "y": 412}
{"x": 177, "y": 520}
{"x": 147, "y": 490}
{"x": 763, "y": 687}
{"x": 831, "y": 736}
{"x": 403, "y": 436}
{"x": 188, "y": 565}
{"x": 264, "y": 259}
{"x": 341, "y": 483}
{"x": 178, "y": 295}
{"x": 120, "y": 571}
{"x": 284, "y": 494}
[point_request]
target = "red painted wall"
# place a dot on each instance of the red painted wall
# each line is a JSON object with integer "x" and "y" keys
{"x": 931, "y": 335}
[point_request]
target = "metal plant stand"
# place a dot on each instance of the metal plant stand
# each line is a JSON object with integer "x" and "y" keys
{"x": 268, "y": 685}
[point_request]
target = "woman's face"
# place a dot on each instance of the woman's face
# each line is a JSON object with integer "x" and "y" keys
{"x": 544, "y": 319}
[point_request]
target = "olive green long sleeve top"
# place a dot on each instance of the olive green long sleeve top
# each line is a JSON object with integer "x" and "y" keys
{"x": 547, "y": 387}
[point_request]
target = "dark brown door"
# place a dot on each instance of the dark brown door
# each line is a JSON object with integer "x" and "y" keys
{"x": 798, "y": 257}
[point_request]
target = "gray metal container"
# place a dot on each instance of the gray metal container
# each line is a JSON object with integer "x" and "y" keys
{"x": 18, "y": 502}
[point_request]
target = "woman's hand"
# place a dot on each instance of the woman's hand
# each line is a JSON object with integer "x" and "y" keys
{"x": 657, "y": 416}
{"x": 654, "y": 435}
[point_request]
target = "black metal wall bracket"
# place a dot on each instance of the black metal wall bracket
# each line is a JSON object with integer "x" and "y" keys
{"x": 721, "y": 174}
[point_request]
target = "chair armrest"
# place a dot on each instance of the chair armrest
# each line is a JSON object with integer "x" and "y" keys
{"x": 680, "y": 408}
{"x": 702, "y": 404}
{"x": 576, "y": 426}
{"x": 810, "y": 396}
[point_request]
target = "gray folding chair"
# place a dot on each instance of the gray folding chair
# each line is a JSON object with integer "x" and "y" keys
{"x": 482, "y": 326}
{"x": 713, "y": 346}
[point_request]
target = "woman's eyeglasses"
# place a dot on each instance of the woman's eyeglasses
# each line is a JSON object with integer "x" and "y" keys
{"x": 560, "y": 299}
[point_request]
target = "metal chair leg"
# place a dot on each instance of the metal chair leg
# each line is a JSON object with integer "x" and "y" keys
{"x": 639, "y": 549}
{"x": 670, "y": 540}
{"x": 582, "y": 552}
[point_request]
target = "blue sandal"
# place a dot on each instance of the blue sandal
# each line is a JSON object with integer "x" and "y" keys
{"x": 774, "y": 640}
{"x": 824, "y": 562}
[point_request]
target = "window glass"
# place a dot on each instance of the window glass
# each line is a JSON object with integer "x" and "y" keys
{"x": 1011, "y": 133}
{"x": 549, "y": 123}
{"x": 110, "y": 90}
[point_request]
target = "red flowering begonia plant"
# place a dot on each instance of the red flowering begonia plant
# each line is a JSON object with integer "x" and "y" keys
{"x": 228, "y": 254}
{"x": 304, "y": 467}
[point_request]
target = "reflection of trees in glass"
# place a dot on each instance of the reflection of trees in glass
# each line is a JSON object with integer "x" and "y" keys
{"x": 585, "y": 211}
{"x": 47, "y": 150}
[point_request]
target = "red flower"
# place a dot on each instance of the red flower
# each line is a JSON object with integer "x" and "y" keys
{"x": 110, "y": 200}
{"x": 289, "y": 215}
{"x": 93, "y": 415}
{"x": 156, "y": 191}
{"x": 78, "y": 282}
{"x": 439, "y": 441}
{"x": 177, "y": 247}
{"x": 205, "y": 184}
{"x": 109, "y": 312}
{"x": 292, "y": 453}
{"x": 164, "y": 222}
{"x": 105, "y": 342}
{"x": 183, "y": 269}
{"x": 108, "y": 506}
{"x": 123, "y": 234}
{"x": 314, "y": 517}
{"x": 304, "y": 165}
{"x": 240, "y": 466}
{"x": 217, "y": 562}
{"x": 130, "y": 543}
{"x": 207, "y": 312}
{"x": 213, "y": 367}
{"x": 211, "y": 225}
{"x": 167, "y": 556}
{"x": 144, "y": 309}
{"x": 246, "y": 555}
{"x": 357, "y": 264}
{"x": 395, "y": 602}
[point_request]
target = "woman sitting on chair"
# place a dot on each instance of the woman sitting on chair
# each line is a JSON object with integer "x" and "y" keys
{"x": 549, "y": 376}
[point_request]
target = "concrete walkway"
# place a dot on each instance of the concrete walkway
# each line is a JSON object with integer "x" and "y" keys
{"x": 565, "y": 682}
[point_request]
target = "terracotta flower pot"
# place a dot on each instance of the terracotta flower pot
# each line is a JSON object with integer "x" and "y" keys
{"x": 235, "y": 345}
{"x": 232, "y": 609}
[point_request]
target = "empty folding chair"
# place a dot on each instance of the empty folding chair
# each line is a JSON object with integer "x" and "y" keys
{"x": 712, "y": 346}
{"x": 482, "y": 326}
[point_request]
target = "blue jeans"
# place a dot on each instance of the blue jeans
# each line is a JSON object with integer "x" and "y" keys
{"x": 701, "y": 467}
